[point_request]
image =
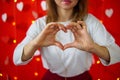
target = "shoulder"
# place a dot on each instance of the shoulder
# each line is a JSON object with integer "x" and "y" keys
{"x": 90, "y": 18}
{"x": 38, "y": 25}
{"x": 41, "y": 20}
{"x": 93, "y": 24}
{"x": 92, "y": 21}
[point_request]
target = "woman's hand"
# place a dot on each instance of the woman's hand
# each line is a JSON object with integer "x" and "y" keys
{"x": 47, "y": 36}
{"x": 82, "y": 41}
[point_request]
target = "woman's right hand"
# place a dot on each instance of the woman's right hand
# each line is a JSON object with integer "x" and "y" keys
{"x": 47, "y": 36}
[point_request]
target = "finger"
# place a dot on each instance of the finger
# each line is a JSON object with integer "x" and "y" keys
{"x": 75, "y": 28}
{"x": 79, "y": 26}
{"x": 55, "y": 26}
{"x": 75, "y": 34}
{"x": 55, "y": 31}
{"x": 82, "y": 23}
{"x": 62, "y": 27}
{"x": 74, "y": 25}
{"x": 70, "y": 25}
{"x": 51, "y": 25}
{"x": 59, "y": 45}
{"x": 69, "y": 45}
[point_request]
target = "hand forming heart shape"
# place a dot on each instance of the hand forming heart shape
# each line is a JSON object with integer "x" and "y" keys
{"x": 82, "y": 40}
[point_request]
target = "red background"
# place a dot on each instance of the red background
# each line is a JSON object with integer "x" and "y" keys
{"x": 17, "y": 23}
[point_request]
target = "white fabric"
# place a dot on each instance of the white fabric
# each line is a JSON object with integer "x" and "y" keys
{"x": 72, "y": 61}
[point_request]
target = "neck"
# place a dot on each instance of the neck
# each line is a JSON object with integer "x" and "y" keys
{"x": 64, "y": 15}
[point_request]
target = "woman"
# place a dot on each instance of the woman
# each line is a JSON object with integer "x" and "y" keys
{"x": 67, "y": 36}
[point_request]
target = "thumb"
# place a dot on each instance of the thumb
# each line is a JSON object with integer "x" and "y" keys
{"x": 59, "y": 45}
{"x": 69, "y": 45}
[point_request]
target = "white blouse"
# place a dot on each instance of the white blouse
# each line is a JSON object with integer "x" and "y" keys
{"x": 70, "y": 62}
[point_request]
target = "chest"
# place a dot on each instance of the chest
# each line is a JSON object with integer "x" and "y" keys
{"x": 65, "y": 38}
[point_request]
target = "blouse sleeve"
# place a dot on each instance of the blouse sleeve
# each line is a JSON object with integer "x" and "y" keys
{"x": 102, "y": 37}
{"x": 30, "y": 35}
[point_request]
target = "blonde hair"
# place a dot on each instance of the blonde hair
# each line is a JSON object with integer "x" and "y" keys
{"x": 80, "y": 11}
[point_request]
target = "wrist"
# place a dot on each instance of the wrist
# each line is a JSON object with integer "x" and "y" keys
{"x": 93, "y": 48}
{"x": 28, "y": 51}
{"x": 34, "y": 44}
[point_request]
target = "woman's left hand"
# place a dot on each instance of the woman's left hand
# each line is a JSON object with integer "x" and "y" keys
{"x": 83, "y": 40}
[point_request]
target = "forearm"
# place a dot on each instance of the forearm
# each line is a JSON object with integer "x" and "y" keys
{"x": 28, "y": 51}
{"x": 101, "y": 52}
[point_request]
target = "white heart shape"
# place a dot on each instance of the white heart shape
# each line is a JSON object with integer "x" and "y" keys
{"x": 4, "y": 17}
{"x": 109, "y": 12}
{"x": 20, "y": 6}
{"x": 35, "y": 14}
{"x": 43, "y": 5}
